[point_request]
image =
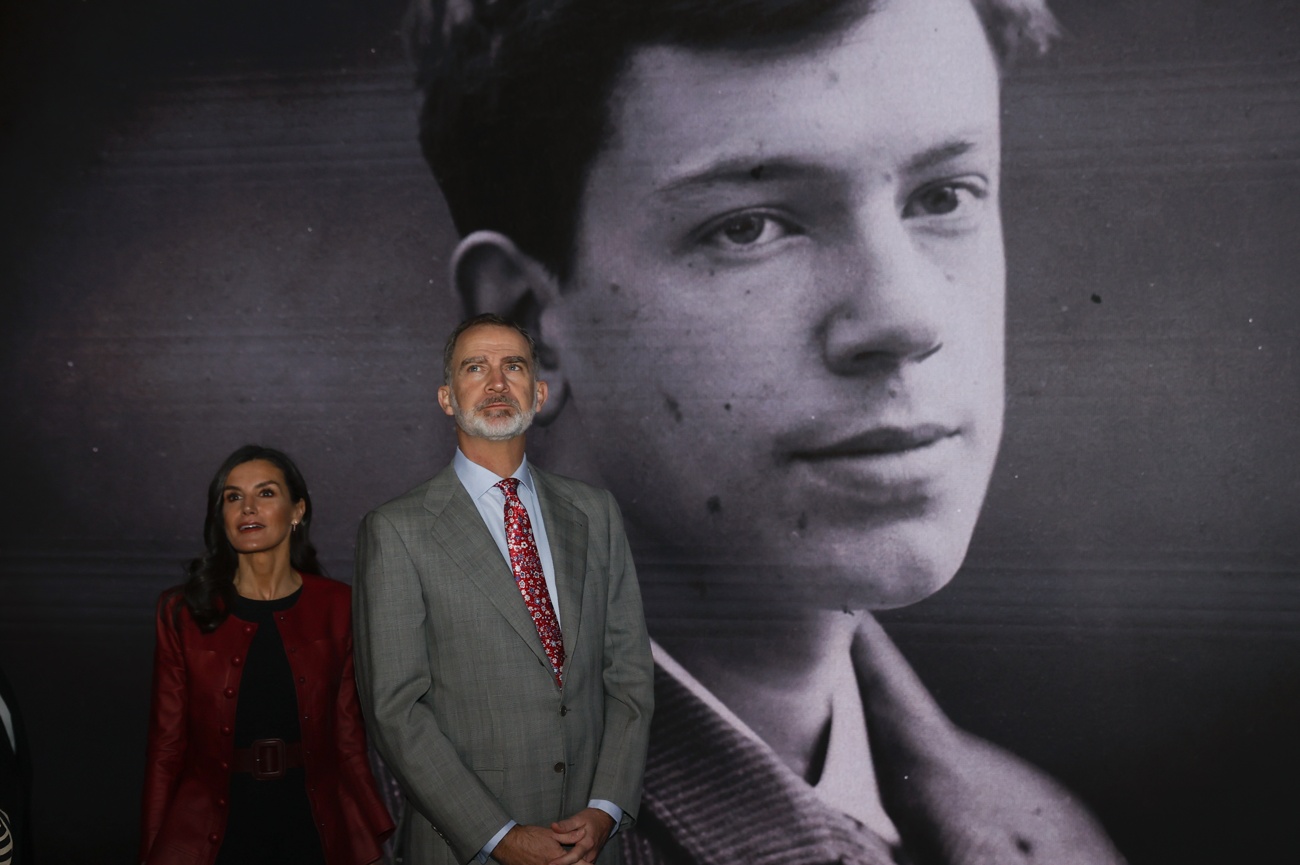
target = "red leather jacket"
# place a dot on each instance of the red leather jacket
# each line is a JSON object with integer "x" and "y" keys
{"x": 195, "y": 691}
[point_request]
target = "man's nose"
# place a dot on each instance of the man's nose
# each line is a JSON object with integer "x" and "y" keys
{"x": 887, "y": 302}
{"x": 496, "y": 380}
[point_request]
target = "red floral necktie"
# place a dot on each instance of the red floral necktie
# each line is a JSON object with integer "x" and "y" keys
{"x": 527, "y": 568}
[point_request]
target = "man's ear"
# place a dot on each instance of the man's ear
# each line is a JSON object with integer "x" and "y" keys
{"x": 489, "y": 273}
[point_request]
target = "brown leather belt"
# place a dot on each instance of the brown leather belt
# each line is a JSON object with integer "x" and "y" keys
{"x": 268, "y": 759}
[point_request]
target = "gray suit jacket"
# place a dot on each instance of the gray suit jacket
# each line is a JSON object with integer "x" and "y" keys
{"x": 456, "y": 687}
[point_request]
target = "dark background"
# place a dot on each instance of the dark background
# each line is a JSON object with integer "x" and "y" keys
{"x": 216, "y": 228}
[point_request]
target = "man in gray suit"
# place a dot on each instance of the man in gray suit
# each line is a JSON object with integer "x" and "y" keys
{"x": 509, "y": 740}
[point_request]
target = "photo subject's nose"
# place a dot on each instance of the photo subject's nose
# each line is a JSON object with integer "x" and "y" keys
{"x": 889, "y": 312}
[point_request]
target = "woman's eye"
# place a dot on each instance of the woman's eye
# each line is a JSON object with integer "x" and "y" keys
{"x": 232, "y": 497}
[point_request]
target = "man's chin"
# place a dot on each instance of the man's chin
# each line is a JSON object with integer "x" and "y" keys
{"x": 499, "y": 430}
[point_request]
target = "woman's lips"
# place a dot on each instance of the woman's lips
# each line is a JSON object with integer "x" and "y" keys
{"x": 250, "y": 527}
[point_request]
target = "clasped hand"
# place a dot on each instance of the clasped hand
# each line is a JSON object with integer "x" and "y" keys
{"x": 579, "y": 838}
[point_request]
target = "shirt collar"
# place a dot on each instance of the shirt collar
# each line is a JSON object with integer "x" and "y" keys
{"x": 478, "y": 480}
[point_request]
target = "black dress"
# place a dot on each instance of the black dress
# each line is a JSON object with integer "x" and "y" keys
{"x": 270, "y": 821}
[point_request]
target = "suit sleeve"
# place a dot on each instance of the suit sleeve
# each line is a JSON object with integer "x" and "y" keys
{"x": 393, "y": 673}
{"x": 168, "y": 727}
{"x": 628, "y": 681}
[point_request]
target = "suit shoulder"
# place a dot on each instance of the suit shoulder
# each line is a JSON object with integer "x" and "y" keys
{"x": 411, "y": 500}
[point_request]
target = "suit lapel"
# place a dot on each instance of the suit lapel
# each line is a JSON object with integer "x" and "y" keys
{"x": 458, "y": 529}
{"x": 566, "y": 531}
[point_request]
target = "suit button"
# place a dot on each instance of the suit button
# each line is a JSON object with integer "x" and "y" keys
{"x": 302, "y": 680}
{"x": 225, "y": 765}
{"x": 564, "y": 710}
{"x": 248, "y": 629}
{"x": 221, "y": 803}
{"x": 559, "y": 767}
{"x": 229, "y": 692}
{"x": 214, "y": 837}
{"x": 236, "y": 661}
{"x": 225, "y": 729}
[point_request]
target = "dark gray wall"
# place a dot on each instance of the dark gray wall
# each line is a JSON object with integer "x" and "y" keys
{"x": 217, "y": 229}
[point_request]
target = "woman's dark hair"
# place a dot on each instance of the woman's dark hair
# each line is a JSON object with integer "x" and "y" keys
{"x": 209, "y": 590}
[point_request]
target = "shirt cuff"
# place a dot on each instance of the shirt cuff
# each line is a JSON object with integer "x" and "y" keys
{"x": 482, "y": 856}
{"x": 611, "y": 809}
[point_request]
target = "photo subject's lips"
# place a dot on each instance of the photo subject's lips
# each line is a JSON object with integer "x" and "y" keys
{"x": 888, "y": 463}
{"x": 250, "y": 527}
{"x": 878, "y": 442}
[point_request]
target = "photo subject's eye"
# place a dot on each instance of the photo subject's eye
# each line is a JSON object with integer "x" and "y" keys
{"x": 743, "y": 232}
{"x": 939, "y": 200}
{"x": 945, "y": 198}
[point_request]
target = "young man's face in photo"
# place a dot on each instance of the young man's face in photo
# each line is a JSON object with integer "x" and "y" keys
{"x": 784, "y": 328}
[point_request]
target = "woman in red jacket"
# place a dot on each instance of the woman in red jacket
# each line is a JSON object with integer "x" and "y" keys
{"x": 257, "y": 753}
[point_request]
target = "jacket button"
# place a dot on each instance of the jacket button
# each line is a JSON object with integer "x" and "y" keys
{"x": 221, "y": 803}
{"x": 214, "y": 837}
{"x": 225, "y": 766}
{"x": 248, "y": 629}
{"x": 229, "y": 692}
{"x": 559, "y": 767}
{"x": 225, "y": 729}
{"x": 302, "y": 680}
{"x": 564, "y": 710}
{"x": 236, "y": 661}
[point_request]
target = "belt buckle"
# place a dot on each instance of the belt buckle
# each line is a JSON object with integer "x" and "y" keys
{"x": 268, "y": 759}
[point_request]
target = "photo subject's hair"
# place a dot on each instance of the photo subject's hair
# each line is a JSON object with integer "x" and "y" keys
{"x": 516, "y": 93}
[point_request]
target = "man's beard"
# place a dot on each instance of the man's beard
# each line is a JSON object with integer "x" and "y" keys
{"x": 494, "y": 429}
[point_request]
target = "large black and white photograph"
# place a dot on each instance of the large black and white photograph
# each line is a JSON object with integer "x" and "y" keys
{"x": 900, "y": 396}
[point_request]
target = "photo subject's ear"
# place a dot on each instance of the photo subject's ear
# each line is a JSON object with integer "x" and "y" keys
{"x": 489, "y": 273}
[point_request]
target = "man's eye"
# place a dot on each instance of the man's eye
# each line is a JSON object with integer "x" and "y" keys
{"x": 747, "y": 230}
{"x": 943, "y": 199}
{"x": 266, "y": 494}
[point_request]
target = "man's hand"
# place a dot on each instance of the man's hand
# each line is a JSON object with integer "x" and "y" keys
{"x": 529, "y": 845}
{"x": 587, "y": 831}
{"x": 580, "y": 838}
